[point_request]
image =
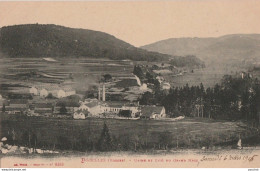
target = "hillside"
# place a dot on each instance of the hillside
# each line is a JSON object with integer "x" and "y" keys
{"x": 35, "y": 40}
{"x": 237, "y": 47}
{"x": 187, "y": 61}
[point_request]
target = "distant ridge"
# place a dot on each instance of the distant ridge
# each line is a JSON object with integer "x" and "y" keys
{"x": 238, "y": 47}
{"x": 37, "y": 40}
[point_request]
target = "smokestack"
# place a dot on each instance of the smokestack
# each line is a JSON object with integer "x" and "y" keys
{"x": 104, "y": 93}
{"x": 99, "y": 95}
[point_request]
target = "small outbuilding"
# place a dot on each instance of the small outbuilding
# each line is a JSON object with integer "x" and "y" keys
{"x": 152, "y": 112}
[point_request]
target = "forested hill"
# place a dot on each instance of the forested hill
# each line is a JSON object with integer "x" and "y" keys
{"x": 238, "y": 47}
{"x": 36, "y": 40}
{"x": 187, "y": 61}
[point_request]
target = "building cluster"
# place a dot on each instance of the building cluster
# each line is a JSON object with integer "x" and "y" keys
{"x": 113, "y": 109}
{"x": 62, "y": 106}
{"x": 39, "y": 107}
{"x": 53, "y": 90}
{"x": 164, "y": 84}
{"x": 43, "y": 102}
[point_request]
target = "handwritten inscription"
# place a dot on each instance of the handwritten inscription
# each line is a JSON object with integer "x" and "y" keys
{"x": 230, "y": 157}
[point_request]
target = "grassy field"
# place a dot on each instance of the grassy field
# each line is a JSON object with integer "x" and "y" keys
{"x": 209, "y": 76}
{"x": 187, "y": 133}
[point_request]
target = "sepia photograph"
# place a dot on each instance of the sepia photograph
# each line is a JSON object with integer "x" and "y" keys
{"x": 130, "y": 84}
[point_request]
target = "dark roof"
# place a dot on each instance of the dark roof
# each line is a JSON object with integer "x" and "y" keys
{"x": 15, "y": 108}
{"x": 43, "y": 105}
{"x": 149, "y": 110}
{"x": 18, "y": 101}
{"x": 116, "y": 104}
{"x": 17, "y": 105}
{"x": 82, "y": 111}
{"x": 43, "y": 111}
{"x": 92, "y": 104}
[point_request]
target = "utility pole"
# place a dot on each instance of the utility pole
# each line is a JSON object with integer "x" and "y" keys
{"x": 202, "y": 110}
{"x": 177, "y": 142}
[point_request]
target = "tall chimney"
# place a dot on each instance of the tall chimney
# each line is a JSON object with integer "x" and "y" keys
{"x": 99, "y": 94}
{"x": 104, "y": 93}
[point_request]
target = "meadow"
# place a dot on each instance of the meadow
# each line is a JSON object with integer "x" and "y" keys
{"x": 81, "y": 135}
{"x": 209, "y": 76}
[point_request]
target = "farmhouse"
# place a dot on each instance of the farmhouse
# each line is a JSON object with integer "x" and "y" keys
{"x": 33, "y": 91}
{"x": 44, "y": 93}
{"x": 55, "y": 90}
{"x": 152, "y": 112}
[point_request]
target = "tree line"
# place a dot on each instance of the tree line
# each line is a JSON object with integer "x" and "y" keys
{"x": 234, "y": 98}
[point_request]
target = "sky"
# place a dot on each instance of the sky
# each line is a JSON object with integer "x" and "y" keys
{"x": 141, "y": 22}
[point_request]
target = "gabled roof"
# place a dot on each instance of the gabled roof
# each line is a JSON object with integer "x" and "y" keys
{"x": 149, "y": 110}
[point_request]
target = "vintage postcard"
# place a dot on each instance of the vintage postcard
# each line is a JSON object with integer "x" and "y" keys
{"x": 130, "y": 84}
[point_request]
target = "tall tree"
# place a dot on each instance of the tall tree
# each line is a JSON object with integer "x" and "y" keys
{"x": 63, "y": 109}
{"x": 105, "y": 141}
{"x": 3, "y": 108}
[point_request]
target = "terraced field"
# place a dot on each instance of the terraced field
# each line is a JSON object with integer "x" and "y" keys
{"x": 78, "y": 73}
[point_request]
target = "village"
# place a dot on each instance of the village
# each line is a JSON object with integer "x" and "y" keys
{"x": 58, "y": 101}
{"x": 63, "y": 101}
{"x": 43, "y": 105}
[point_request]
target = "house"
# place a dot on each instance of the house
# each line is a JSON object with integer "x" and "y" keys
{"x": 33, "y": 91}
{"x": 17, "y": 106}
{"x": 44, "y": 109}
{"x": 64, "y": 92}
{"x": 70, "y": 108}
{"x": 135, "y": 110}
{"x": 152, "y": 112}
{"x": 44, "y": 92}
{"x": 113, "y": 106}
{"x": 79, "y": 115}
{"x": 61, "y": 93}
{"x": 55, "y": 90}
{"x": 1, "y": 101}
{"x": 95, "y": 108}
{"x": 160, "y": 79}
{"x": 69, "y": 91}
{"x": 90, "y": 105}
{"x": 165, "y": 86}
